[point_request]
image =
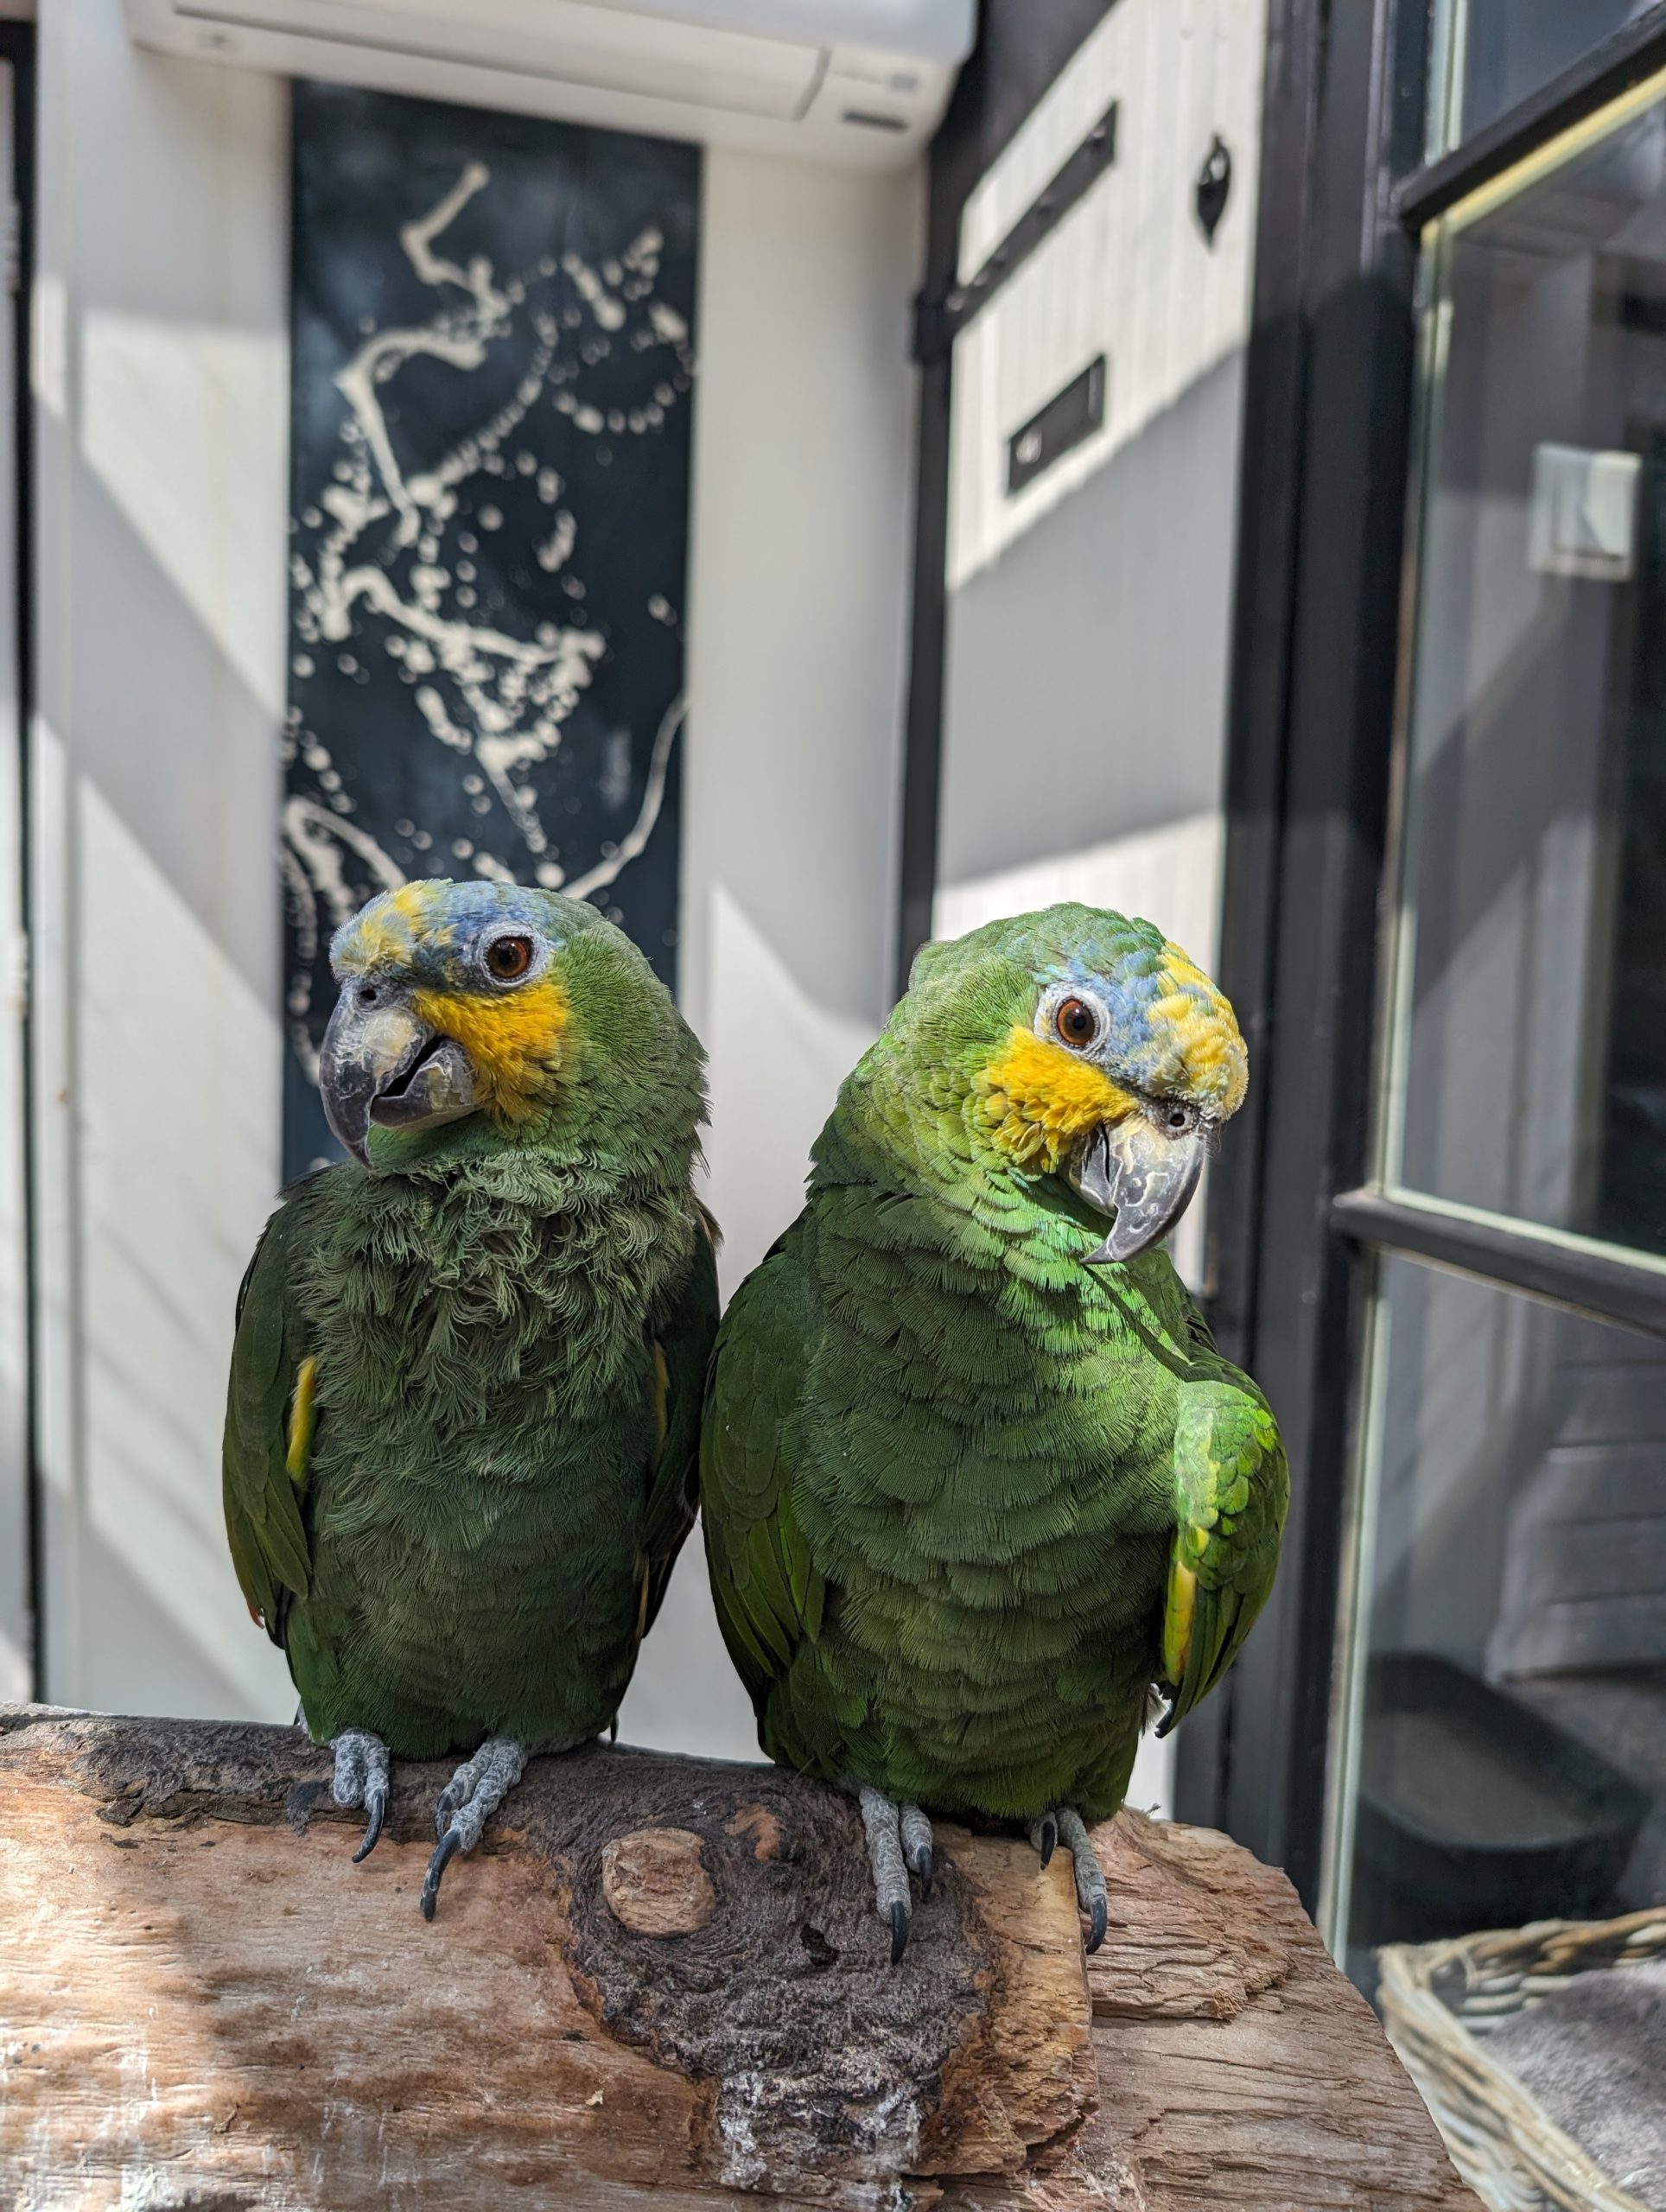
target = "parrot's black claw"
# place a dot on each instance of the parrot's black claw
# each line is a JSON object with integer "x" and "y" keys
{"x": 466, "y": 1803}
{"x": 1045, "y": 1836}
{"x": 898, "y": 1837}
{"x": 361, "y": 1778}
{"x": 899, "y": 1932}
{"x": 376, "y": 1806}
{"x": 915, "y": 1830}
{"x": 444, "y": 1851}
{"x": 1090, "y": 1893}
{"x": 1098, "y": 1917}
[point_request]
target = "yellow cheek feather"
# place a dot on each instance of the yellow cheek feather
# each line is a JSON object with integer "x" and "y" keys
{"x": 513, "y": 1040}
{"x": 1037, "y": 1100}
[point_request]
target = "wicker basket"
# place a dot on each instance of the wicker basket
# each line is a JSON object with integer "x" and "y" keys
{"x": 1441, "y": 2000}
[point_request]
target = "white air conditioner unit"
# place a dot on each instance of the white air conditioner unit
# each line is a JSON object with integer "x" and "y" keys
{"x": 861, "y": 81}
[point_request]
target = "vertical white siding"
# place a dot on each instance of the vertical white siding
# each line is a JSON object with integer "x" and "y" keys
{"x": 1127, "y": 273}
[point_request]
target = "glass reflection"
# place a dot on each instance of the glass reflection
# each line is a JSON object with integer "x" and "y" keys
{"x": 1505, "y": 49}
{"x": 1510, "y": 1761}
{"x": 1530, "y": 1062}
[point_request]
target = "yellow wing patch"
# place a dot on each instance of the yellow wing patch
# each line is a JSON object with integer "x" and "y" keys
{"x": 303, "y": 1413}
{"x": 513, "y": 1039}
{"x": 1177, "y": 1612}
{"x": 1038, "y": 1099}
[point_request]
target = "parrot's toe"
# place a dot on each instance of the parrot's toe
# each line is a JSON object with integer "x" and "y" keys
{"x": 1044, "y": 1835}
{"x": 916, "y": 1831}
{"x": 1090, "y": 1893}
{"x": 887, "y": 1840}
{"x": 466, "y": 1803}
{"x": 361, "y": 1778}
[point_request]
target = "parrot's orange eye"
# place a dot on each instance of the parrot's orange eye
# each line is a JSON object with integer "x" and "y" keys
{"x": 1077, "y": 1023}
{"x": 508, "y": 959}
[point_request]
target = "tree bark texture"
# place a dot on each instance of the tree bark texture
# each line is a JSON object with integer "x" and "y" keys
{"x": 658, "y": 1982}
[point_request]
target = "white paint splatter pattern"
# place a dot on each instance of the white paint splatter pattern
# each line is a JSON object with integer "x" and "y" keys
{"x": 380, "y": 560}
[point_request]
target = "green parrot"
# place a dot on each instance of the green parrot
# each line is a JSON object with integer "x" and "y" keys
{"x": 466, "y": 1384}
{"x": 974, "y": 1480}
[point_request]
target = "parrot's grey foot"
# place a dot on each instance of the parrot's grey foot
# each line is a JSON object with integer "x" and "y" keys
{"x": 466, "y": 1803}
{"x": 916, "y": 1831}
{"x": 1067, "y": 1827}
{"x": 898, "y": 1841}
{"x": 361, "y": 1778}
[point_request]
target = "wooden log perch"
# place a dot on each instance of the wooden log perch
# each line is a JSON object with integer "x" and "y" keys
{"x": 657, "y": 1980}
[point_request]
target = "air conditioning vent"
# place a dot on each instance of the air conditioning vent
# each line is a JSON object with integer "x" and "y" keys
{"x": 592, "y": 49}
{"x": 858, "y": 80}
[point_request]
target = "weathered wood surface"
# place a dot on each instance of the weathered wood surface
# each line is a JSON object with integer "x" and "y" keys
{"x": 657, "y": 1980}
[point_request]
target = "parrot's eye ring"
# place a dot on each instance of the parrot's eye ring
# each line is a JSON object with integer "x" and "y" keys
{"x": 1075, "y": 1023}
{"x": 508, "y": 959}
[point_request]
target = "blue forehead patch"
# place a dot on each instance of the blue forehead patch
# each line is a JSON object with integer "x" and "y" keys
{"x": 426, "y": 927}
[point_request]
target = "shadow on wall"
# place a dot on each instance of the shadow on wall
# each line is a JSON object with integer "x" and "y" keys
{"x": 161, "y": 556}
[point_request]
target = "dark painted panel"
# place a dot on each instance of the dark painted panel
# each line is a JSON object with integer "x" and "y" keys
{"x": 492, "y": 359}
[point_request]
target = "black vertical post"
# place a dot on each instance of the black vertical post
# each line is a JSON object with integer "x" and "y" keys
{"x": 922, "y": 766}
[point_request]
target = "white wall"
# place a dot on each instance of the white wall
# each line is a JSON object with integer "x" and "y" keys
{"x": 161, "y": 384}
{"x": 163, "y": 395}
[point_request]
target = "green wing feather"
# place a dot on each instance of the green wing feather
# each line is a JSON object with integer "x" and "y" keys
{"x": 768, "y": 1593}
{"x": 682, "y": 1353}
{"x": 268, "y": 1430}
{"x": 1231, "y": 1490}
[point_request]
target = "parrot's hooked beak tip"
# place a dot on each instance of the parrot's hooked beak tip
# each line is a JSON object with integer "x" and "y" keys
{"x": 1139, "y": 1177}
{"x": 381, "y": 1063}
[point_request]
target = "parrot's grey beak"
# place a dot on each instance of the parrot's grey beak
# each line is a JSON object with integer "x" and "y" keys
{"x": 380, "y": 1063}
{"x": 1131, "y": 1169}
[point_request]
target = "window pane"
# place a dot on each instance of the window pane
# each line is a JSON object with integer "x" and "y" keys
{"x": 1507, "y": 48}
{"x": 1511, "y": 1761}
{"x": 1529, "y": 1069}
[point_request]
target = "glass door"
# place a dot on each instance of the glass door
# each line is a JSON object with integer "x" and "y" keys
{"x": 1499, "y": 1749}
